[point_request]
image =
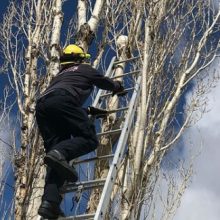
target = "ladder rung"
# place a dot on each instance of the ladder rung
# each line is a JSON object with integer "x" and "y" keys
{"x": 84, "y": 185}
{"x": 111, "y": 111}
{"x": 94, "y": 158}
{"x": 126, "y": 74}
{"x": 122, "y": 61}
{"x": 117, "y": 110}
{"x": 109, "y": 94}
{"x": 109, "y": 132}
{"x": 78, "y": 217}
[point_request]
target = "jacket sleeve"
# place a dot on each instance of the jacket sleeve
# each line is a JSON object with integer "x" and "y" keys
{"x": 103, "y": 82}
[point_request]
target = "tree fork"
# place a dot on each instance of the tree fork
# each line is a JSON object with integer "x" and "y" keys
{"x": 85, "y": 36}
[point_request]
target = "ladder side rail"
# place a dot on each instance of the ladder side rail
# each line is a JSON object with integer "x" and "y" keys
{"x": 130, "y": 59}
{"x": 107, "y": 190}
{"x": 107, "y": 74}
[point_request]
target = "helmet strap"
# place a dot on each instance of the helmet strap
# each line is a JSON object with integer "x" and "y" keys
{"x": 71, "y": 57}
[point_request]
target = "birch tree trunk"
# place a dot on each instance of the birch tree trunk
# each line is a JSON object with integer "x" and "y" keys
{"x": 28, "y": 113}
{"x": 19, "y": 31}
{"x": 34, "y": 196}
{"x": 87, "y": 28}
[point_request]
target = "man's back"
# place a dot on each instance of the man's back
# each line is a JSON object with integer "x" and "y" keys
{"x": 79, "y": 81}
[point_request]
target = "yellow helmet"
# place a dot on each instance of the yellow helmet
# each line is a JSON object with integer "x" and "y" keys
{"x": 72, "y": 53}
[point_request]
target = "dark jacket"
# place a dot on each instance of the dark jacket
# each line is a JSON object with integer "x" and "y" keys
{"x": 79, "y": 81}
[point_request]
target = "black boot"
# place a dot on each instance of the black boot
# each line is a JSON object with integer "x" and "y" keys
{"x": 50, "y": 210}
{"x": 55, "y": 160}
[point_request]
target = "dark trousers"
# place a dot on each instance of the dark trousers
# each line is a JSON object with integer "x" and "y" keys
{"x": 64, "y": 126}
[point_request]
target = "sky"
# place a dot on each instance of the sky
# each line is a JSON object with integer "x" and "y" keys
{"x": 201, "y": 200}
{"x": 3, "y": 130}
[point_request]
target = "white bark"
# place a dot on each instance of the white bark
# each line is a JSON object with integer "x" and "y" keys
{"x": 55, "y": 39}
{"x": 94, "y": 20}
{"x": 81, "y": 10}
{"x": 36, "y": 194}
{"x": 28, "y": 22}
{"x": 88, "y": 26}
{"x": 35, "y": 198}
{"x": 141, "y": 133}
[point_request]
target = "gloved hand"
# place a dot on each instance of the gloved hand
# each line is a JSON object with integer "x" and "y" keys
{"x": 119, "y": 90}
{"x": 98, "y": 112}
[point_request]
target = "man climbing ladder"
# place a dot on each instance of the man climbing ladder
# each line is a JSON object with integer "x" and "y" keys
{"x": 64, "y": 125}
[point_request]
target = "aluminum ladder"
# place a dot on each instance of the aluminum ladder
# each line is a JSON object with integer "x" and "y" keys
{"x": 108, "y": 183}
